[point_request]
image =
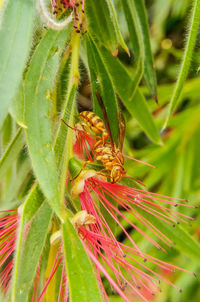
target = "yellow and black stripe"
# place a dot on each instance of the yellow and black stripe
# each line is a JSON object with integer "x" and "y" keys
{"x": 93, "y": 121}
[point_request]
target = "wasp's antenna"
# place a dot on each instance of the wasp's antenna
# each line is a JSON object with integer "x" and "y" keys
{"x": 67, "y": 124}
{"x": 139, "y": 161}
{"x": 135, "y": 179}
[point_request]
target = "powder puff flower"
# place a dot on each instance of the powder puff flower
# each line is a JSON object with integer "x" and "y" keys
{"x": 8, "y": 235}
{"x": 117, "y": 199}
{"x": 126, "y": 268}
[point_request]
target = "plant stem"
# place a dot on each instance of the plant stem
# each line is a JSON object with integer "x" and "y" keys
{"x": 74, "y": 73}
{"x": 71, "y": 92}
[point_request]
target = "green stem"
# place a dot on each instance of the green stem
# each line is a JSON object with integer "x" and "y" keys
{"x": 68, "y": 114}
{"x": 74, "y": 73}
{"x": 195, "y": 18}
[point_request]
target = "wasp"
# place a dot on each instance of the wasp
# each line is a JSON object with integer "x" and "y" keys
{"x": 105, "y": 149}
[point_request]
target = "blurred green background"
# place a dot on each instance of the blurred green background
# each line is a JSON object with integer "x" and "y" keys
{"x": 177, "y": 162}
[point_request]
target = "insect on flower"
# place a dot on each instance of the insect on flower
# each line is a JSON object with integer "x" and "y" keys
{"x": 104, "y": 148}
{"x": 117, "y": 199}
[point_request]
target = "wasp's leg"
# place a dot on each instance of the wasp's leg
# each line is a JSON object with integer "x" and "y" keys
{"x": 99, "y": 142}
{"x": 104, "y": 137}
{"x": 103, "y": 174}
{"x": 102, "y": 140}
{"x": 87, "y": 163}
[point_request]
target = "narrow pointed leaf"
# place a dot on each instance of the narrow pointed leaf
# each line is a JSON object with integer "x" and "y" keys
{"x": 64, "y": 143}
{"x": 12, "y": 151}
{"x": 185, "y": 65}
{"x": 82, "y": 281}
{"x": 32, "y": 204}
{"x": 27, "y": 258}
{"x": 37, "y": 89}
{"x": 17, "y": 107}
{"x": 140, "y": 110}
{"x": 149, "y": 72}
{"x": 136, "y": 103}
{"x": 103, "y": 12}
{"x": 15, "y": 40}
{"x": 21, "y": 175}
{"x": 135, "y": 37}
{"x": 117, "y": 28}
{"x": 101, "y": 81}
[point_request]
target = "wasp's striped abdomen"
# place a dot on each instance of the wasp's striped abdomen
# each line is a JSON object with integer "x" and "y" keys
{"x": 94, "y": 122}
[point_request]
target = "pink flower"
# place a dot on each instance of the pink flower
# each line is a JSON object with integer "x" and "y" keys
{"x": 8, "y": 234}
{"x": 105, "y": 251}
{"x": 125, "y": 267}
{"x": 84, "y": 144}
{"x": 132, "y": 276}
{"x": 137, "y": 202}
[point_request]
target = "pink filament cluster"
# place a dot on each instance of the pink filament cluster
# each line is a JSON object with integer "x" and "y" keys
{"x": 132, "y": 275}
{"x": 136, "y": 202}
{"x": 84, "y": 145}
{"x": 110, "y": 255}
{"x": 8, "y": 234}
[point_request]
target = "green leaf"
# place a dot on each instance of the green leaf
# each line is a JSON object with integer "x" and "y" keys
{"x": 64, "y": 142}
{"x": 117, "y": 28}
{"x": 136, "y": 41}
{"x": 27, "y": 257}
{"x": 35, "y": 201}
{"x": 6, "y": 132}
{"x": 21, "y": 176}
{"x": 12, "y": 152}
{"x": 149, "y": 72}
{"x": 15, "y": 41}
{"x": 37, "y": 87}
{"x": 135, "y": 103}
{"x": 62, "y": 145}
{"x": 82, "y": 281}
{"x": 140, "y": 110}
{"x": 185, "y": 65}
{"x": 98, "y": 13}
{"x": 17, "y": 107}
{"x": 31, "y": 206}
{"x": 101, "y": 81}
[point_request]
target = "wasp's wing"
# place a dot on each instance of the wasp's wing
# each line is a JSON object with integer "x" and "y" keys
{"x": 122, "y": 130}
{"x": 101, "y": 104}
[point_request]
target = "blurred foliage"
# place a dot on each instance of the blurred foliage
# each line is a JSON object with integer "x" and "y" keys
{"x": 177, "y": 163}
